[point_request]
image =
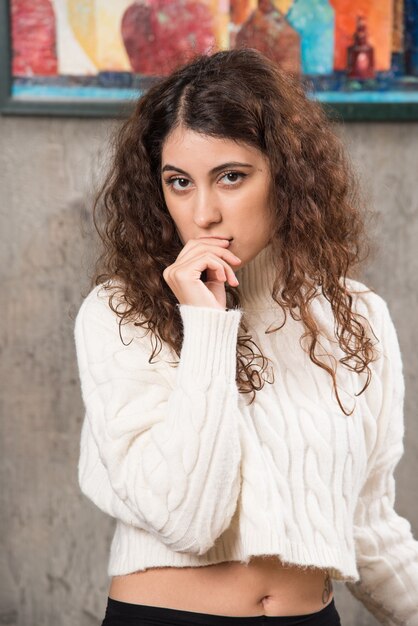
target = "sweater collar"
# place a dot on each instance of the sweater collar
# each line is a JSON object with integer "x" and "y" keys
{"x": 256, "y": 280}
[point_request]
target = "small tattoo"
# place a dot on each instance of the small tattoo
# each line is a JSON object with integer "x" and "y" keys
{"x": 326, "y": 594}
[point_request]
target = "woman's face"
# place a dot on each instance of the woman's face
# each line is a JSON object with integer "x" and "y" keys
{"x": 217, "y": 188}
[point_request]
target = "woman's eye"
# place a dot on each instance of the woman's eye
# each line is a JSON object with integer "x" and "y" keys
{"x": 179, "y": 180}
{"x": 232, "y": 179}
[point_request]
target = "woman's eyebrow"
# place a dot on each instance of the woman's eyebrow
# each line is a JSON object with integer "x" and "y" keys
{"x": 214, "y": 170}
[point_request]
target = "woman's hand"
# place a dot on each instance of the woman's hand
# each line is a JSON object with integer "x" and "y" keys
{"x": 184, "y": 275}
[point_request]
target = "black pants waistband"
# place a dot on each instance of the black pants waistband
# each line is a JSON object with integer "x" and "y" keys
{"x": 120, "y": 613}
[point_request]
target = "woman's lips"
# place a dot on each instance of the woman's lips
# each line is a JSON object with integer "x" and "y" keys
{"x": 213, "y": 237}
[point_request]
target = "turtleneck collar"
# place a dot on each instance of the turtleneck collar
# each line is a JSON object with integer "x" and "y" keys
{"x": 256, "y": 280}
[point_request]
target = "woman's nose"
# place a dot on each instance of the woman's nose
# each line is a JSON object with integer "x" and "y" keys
{"x": 206, "y": 209}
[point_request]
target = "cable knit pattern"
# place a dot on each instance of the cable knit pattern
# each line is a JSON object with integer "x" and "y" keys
{"x": 195, "y": 475}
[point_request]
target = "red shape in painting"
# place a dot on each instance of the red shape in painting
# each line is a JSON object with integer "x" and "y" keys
{"x": 34, "y": 38}
{"x": 268, "y": 31}
{"x": 161, "y": 33}
{"x": 360, "y": 56}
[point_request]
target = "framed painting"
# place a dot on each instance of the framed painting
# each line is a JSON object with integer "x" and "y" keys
{"x": 95, "y": 57}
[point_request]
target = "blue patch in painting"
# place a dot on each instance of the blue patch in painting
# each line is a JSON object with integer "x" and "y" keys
{"x": 314, "y": 21}
{"x": 56, "y": 92}
{"x": 100, "y": 94}
{"x": 372, "y": 97}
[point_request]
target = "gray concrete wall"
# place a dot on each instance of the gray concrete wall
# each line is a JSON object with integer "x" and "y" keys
{"x": 53, "y": 542}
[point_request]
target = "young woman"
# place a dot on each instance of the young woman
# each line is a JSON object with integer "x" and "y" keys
{"x": 243, "y": 394}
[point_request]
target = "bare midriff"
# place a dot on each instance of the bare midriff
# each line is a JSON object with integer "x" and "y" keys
{"x": 265, "y": 586}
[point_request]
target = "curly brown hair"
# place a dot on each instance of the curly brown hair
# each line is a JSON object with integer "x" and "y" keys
{"x": 319, "y": 235}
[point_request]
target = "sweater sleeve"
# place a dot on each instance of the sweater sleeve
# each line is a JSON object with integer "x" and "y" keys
{"x": 162, "y": 457}
{"x": 386, "y": 551}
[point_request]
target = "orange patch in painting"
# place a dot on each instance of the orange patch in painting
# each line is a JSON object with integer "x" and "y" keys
{"x": 379, "y": 19}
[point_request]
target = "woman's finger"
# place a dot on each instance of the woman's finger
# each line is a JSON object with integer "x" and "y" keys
{"x": 193, "y": 244}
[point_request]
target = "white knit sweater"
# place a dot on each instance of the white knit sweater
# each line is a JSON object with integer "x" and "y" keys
{"x": 195, "y": 475}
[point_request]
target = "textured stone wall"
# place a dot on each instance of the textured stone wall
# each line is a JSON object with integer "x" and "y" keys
{"x": 53, "y": 542}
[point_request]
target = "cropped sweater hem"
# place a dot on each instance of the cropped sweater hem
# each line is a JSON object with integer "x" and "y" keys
{"x": 130, "y": 542}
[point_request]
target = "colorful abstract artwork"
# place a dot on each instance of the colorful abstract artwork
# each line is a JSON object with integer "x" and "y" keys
{"x": 347, "y": 51}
